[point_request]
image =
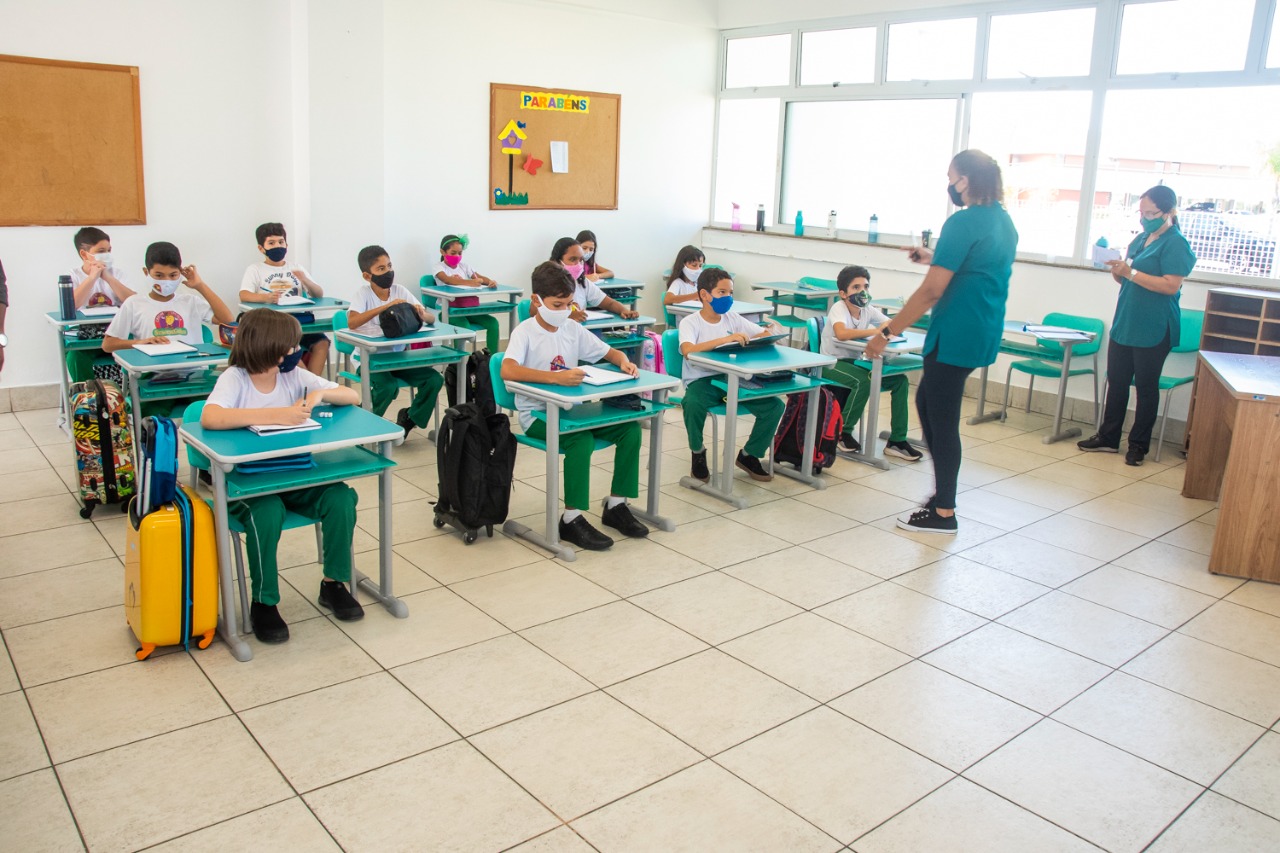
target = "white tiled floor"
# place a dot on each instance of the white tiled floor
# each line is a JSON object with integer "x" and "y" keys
{"x": 799, "y": 675}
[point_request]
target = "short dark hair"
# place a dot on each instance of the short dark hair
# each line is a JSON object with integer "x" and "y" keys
{"x": 1164, "y": 198}
{"x": 550, "y": 279}
{"x": 848, "y": 274}
{"x": 686, "y": 254}
{"x": 368, "y": 255}
{"x": 986, "y": 186}
{"x": 447, "y": 241}
{"x": 262, "y": 339}
{"x": 87, "y": 238}
{"x": 269, "y": 229}
{"x": 709, "y": 278}
{"x": 562, "y": 245}
{"x": 163, "y": 253}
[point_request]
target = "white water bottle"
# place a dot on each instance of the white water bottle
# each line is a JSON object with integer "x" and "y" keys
{"x": 831, "y": 225}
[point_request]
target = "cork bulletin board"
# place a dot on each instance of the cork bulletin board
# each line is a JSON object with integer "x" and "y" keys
{"x": 552, "y": 148}
{"x": 72, "y": 144}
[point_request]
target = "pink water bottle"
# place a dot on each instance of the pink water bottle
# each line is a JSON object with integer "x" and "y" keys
{"x": 737, "y": 221}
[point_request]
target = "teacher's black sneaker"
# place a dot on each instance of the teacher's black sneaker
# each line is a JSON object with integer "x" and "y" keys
{"x": 927, "y": 520}
{"x": 580, "y": 532}
{"x": 1095, "y": 444}
{"x": 335, "y": 596}
{"x": 268, "y": 627}
{"x": 699, "y": 470}
{"x": 903, "y": 450}
{"x": 849, "y": 444}
{"x": 621, "y": 520}
{"x": 752, "y": 466}
{"x": 405, "y": 422}
{"x": 1134, "y": 457}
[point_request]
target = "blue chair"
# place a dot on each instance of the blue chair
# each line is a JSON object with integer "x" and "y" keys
{"x": 1048, "y": 362}
{"x": 673, "y": 362}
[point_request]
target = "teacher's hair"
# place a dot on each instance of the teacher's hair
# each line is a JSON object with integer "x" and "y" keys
{"x": 986, "y": 186}
{"x": 1165, "y": 200}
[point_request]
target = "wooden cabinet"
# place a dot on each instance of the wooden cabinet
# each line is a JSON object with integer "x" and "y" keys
{"x": 1242, "y": 320}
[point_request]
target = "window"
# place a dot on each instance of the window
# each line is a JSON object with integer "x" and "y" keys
{"x": 1273, "y": 44}
{"x": 859, "y": 158}
{"x": 838, "y": 56}
{"x": 1040, "y": 44}
{"x": 1182, "y": 36}
{"x": 932, "y": 50}
{"x": 746, "y": 158}
{"x": 760, "y": 61}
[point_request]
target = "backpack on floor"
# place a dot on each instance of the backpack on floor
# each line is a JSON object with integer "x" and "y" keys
{"x": 651, "y": 357}
{"x": 788, "y": 443}
{"x": 158, "y": 467}
{"x": 476, "y": 456}
{"x": 104, "y": 445}
{"x": 479, "y": 385}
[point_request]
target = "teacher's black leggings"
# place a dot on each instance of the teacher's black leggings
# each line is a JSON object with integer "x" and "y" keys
{"x": 1140, "y": 366}
{"x": 938, "y": 403}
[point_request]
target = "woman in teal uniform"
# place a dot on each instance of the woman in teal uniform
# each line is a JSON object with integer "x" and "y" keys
{"x": 966, "y": 286}
{"x": 1146, "y": 324}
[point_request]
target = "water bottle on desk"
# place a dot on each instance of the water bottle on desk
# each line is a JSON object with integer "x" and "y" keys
{"x": 66, "y": 298}
{"x": 873, "y": 232}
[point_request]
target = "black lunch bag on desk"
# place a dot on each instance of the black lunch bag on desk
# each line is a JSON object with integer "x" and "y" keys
{"x": 400, "y": 320}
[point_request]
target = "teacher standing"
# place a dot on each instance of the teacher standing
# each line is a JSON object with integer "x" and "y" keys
{"x": 1146, "y": 325}
{"x": 966, "y": 286}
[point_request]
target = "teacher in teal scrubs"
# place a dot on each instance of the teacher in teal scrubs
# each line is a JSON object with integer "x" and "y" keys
{"x": 1146, "y": 324}
{"x": 966, "y": 286}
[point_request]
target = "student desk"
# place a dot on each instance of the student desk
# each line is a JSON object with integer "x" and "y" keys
{"x": 870, "y": 454}
{"x": 747, "y": 309}
{"x": 608, "y": 285}
{"x": 822, "y": 295}
{"x": 739, "y": 364}
{"x": 583, "y": 410}
{"x": 135, "y": 364}
{"x": 1231, "y": 458}
{"x": 317, "y": 303}
{"x": 613, "y": 322}
{"x": 447, "y": 293}
{"x": 338, "y": 456}
{"x": 373, "y": 361}
{"x": 68, "y": 342}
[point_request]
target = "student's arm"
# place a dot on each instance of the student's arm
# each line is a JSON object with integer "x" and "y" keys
{"x": 925, "y": 297}
{"x": 601, "y": 272}
{"x": 619, "y": 359}
{"x": 191, "y": 278}
{"x": 218, "y": 417}
{"x": 670, "y": 298}
{"x": 486, "y": 281}
{"x": 1166, "y": 284}
{"x": 111, "y": 343}
{"x": 513, "y": 371}
{"x": 613, "y": 306}
{"x": 255, "y": 296}
{"x": 310, "y": 287}
{"x": 356, "y": 319}
{"x": 458, "y": 281}
{"x": 84, "y": 288}
{"x": 687, "y": 347}
{"x": 339, "y": 396}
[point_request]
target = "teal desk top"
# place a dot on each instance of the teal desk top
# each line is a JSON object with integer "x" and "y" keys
{"x": 206, "y": 355}
{"x": 737, "y": 308}
{"x": 349, "y": 426}
{"x": 566, "y": 396}
{"x": 451, "y": 292}
{"x": 613, "y": 321}
{"x": 55, "y": 318}
{"x": 746, "y": 362}
{"x": 318, "y": 303}
{"x": 608, "y": 283}
{"x": 437, "y": 333}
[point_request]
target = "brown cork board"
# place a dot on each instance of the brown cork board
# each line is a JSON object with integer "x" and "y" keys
{"x": 72, "y": 136}
{"x": 587, "y": 121}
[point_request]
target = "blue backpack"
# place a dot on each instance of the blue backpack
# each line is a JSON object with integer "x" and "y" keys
{"x": 159, "y": 464}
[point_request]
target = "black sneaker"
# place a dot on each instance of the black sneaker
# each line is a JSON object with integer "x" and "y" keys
{"x": 699, "y": 470}
{"x": 268, "y": 627}
{"x": 621, "y": 520}
{"x": 752, "y": 466}
{"x": 1095, "y": 444}
{"x": 1134, "y": 457}
{"x": 849, "y": 444}
{"x": 927, "y": 520}
{"x": 405, "y": 422}
{"x": 580, "y": 532}
{"x": 903, "y": 450}
{"x": 335, "y": 596}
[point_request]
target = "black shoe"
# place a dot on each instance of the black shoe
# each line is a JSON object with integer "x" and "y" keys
{"x": 621, "y": 520}
{"x": 752, "y": 466}
{"x": 1134, "y": 457}
{"x": 903, "y": 450}
{"x": 405, "y": 422}
{"x": 927, "y": 520}
{"x": 1095, "y": 444}
{"x": 699, "y": 470}
{"x": 849, "y": 444}
{"x": 268, "y": 627}
{"x": 335, "y": 596}
{"x": 580, "y": 532}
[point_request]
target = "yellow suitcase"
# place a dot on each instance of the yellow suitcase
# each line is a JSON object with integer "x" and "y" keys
{"x": 171, "y": 574}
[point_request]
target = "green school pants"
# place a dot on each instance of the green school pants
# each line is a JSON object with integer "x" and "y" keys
{"x": 263, "y": 519}
{"x": 385, "y": 389}
{"x": 858, "y": 381}
{"x": 489, "y": 323}
{"x": 577, "y": 448}
{"x": 80, "y": 363}
{"x": 700, "y": 395}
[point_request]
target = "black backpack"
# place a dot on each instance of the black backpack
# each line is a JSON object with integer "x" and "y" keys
{"x": 479, "y": 385}
{"x": 788, "y": 442}
{"x": 476, "y": 455}
{"x": 400, "y": 320}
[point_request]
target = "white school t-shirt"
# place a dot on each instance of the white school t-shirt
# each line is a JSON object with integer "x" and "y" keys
{"x": 365, "y": 300}
{"x": 695, "y": 330}
{"x": 101, "y": 293}
{"x": 264, "y": 278}
{"x": 682, "y": 287}
{"x": 234, "y": 389}
{"x": 179, "y": 319}
{"x": 870, "y": 316}
{"x": 588, "y": 292}
{"x": 462, "y": 270}
{"x": 535, "y": 347}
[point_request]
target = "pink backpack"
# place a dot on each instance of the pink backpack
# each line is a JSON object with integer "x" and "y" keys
{"x": 651, "y": 357}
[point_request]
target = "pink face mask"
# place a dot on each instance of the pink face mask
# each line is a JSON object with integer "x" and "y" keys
{"x": 575, "y": 270}
{"x": 452, "y": 261}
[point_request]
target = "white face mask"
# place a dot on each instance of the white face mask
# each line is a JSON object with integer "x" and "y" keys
{"x": 165, "y": 286}
{"x": 586, "y": 256}
{"x": 103, "y": 258}
{"x": 691, "y": 274}
{"x": 554, "y": 319}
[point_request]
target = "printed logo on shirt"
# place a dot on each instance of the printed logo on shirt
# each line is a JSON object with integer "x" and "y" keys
{"x": 557, "y": 363}
{"x": 99, "y": 299}
{"x": 169, "y": 324}
{"x": 284, "y": 283}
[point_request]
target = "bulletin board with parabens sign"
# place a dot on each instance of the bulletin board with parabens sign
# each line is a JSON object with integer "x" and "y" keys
{"x": 552, "y": 148}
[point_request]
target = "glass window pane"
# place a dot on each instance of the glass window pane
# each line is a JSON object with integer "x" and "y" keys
{"x": 1220, "y": 166}
{"x": 862, "y": 157}
{"x": 760, "y": 61}
{"x": 838, "y": 56}
{"x": 746, "y": 156}
{"x": 1273, "y": 46}
{"x": 932, "y": 50}
{"x": 1184, "y": 36}
{"x": 1042, "y": 161}
{"x": 1041, "y": 44}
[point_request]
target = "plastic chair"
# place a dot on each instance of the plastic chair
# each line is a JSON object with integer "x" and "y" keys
{"x": 893, "y": 366}
{"x": 524, "y": 309}
{"x": 1049, "y": 363}
{"x": 345, "y": 351}
{"x": 428, "y": 301}
{"x": 805, "y": 303}
{"x": 505, "y": 399}
{"x": 673, "y": 361}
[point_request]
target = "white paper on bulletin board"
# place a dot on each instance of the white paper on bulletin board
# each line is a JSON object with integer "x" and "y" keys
{"x": 560, "y": 157}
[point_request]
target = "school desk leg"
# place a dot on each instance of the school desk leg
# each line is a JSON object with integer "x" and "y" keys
{"x": 982, "y": 415}
{"x": 366, "y": 382}
{"x": 64, "y": 383}
{"x": 134, "y": 380}
{"x": 870, "y": 454}
{"x": 228, "y": 628}
{"x": 650, "y": 513}
{"x": 382, "y": 590}
{"x": 805, "y": 474}
{"x": 551, "y": 541}
{"x": 1059, "y": 433}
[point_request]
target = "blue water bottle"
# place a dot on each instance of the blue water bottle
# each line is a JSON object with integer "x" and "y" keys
{"x": 66, "y": 298}
{"x": 799, "y": 223}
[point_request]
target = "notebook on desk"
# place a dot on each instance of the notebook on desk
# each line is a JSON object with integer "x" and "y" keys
{"x": 275, "y": 429}
{"x": 290, "y": 299}
{"x": 100, "y": 311}
{"x": 600, "y": 376}
{"x": 171, "y": 348}
{"x": 767, "y": 340}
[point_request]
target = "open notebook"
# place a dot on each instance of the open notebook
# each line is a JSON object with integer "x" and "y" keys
{"x": 171, "y": 348}
{"x": 295, "y": 300}
{"x": 100, "y": 311}
{"x": 600, "y": 376}
{"x": 273, "y": 429}
{"x": 767, "y": 340}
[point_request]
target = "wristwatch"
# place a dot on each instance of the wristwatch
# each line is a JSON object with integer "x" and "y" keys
{"x": 884, "y": 330}
{"x": 4, "y": 340}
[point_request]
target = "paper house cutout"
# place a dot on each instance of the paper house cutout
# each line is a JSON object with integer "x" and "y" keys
{"x": 512, "y": 137}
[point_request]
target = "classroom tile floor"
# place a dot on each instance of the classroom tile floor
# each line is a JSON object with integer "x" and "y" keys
{"x": 799, "y": 675}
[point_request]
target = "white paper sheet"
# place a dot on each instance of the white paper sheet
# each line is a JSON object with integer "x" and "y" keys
{"x": 560, "y": 157}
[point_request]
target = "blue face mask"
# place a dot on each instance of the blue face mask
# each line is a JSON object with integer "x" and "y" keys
{"x": 277, "y": 254}
{"x": 291, "y": 360}
{"x": 721, "y": 304}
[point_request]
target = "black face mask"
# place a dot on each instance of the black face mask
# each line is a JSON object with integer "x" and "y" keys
{"x": 956, "y": 198}
{"x": 291, "y": 360}
{"x": 385, "y": 280}
{"x": 860, "y": 299}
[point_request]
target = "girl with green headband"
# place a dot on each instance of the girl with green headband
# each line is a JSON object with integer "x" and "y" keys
{"x": 452, "y": 270}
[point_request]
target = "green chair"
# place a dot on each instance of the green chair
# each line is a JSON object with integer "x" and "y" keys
{"x": 673, "y": 362}
{"x": 505, "y": 399}
{"x": 804, "y": 303}
{"x": 524, "y": 310}
{"x": 346, "y": 375}
{"x": 1048, "y": 362}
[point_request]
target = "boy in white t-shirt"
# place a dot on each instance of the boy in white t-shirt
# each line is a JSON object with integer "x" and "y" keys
{"x": 452, "y": 270}
{"x": 377, "y": 294}
{"x": 96, "y": 283}
{"x": 852, "y": 318}
{"x": 547, "y": 348}
{"x": 272, "y": 278}
{"x": 705, "y": 330}
{"x": 263, "y": 384}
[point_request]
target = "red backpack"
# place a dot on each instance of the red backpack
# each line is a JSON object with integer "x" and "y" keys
{"x": 788, "y": 442}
